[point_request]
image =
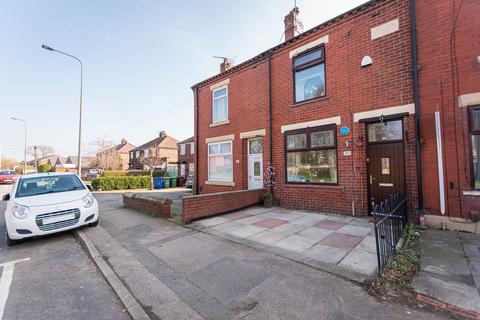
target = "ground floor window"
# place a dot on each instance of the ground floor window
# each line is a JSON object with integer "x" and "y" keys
{"x": 475, "y": 133}
{"x": 182, "y": 170}
{"x": 220, "y": 161}
{"x": 312, "y": 155}
{"x": 191, "y": 169}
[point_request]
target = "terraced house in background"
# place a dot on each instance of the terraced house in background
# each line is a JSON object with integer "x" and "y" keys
{"x": 345, "y": 113}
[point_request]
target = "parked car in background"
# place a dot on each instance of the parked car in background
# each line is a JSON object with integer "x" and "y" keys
{"x": 93, "y": 173}
{"x": 8, "y": 176}
{"x": 45, "y": 203}
{"x": 189, "y": 182}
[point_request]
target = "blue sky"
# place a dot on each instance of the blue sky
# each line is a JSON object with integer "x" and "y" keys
{"x": 140, "y": 59}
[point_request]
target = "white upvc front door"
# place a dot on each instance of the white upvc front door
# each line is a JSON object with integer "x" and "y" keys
{"x": 255, "y": 164}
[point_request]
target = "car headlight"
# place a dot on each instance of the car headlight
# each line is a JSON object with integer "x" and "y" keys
{"x": 21, "y": 212}
{"x": 87, "y": 201}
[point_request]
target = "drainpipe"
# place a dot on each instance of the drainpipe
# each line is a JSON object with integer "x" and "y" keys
{"x": 417, "y": 106}
{"x": 196, "y": 140}
{"x": 270, "y": 111}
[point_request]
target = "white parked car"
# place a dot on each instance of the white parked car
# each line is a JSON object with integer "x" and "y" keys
{"x": 46, "y": 203}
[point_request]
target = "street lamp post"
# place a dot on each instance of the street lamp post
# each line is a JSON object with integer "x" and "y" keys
{"x": 79, "y": 163}
{"x": 25, "y": 147}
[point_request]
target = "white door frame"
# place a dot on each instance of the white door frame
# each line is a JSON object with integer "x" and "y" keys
{"x": 254, "y": 181}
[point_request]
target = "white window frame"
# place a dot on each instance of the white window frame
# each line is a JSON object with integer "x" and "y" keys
{"x": 137, "y": 154}
{"x": 219, "y": 154}
{"x": 192, "y": 148}
{"x": 146, "y": 152}
{"x": 182, "y": 169}
{"x": 213, "y": 103}
{"x": 182, "y": 149}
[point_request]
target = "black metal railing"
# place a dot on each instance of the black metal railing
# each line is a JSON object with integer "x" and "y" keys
{"x": 390, "y": 221}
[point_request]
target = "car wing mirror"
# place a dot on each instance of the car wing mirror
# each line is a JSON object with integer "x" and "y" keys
{"x": 6, "y": 197}
{"x": 89, "y": 187}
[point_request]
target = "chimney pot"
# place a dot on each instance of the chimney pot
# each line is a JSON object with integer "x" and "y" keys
{"x": 162, "y": 134}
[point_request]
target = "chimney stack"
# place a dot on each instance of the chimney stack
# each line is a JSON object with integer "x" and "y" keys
{"x": 293, "y": 26}
{"x": 124, "y": 141}
{"x": 162, "y": 134}
{"x": 225, "y": 65}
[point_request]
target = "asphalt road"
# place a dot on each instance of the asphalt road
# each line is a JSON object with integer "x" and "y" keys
{"x": 58, "y": 281}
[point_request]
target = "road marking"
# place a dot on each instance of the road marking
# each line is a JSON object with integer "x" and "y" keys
{"x": 6, "y": 281}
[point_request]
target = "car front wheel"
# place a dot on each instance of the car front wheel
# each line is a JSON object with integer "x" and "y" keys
{"x": 94, "y": 224}
{"x": 10, "y": 242}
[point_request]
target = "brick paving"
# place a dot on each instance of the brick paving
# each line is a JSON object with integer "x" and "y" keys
{"x": 343, "y": 241}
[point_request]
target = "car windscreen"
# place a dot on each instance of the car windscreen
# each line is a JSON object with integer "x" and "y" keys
{"x": 4, "y": 173}
{"x": 28, "y": 187}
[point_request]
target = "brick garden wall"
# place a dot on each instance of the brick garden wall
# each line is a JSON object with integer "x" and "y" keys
{"x": 206, "y": 205}
{"x": 148, "y": 205}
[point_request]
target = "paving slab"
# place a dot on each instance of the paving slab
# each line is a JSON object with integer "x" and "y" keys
{"x": 270, "y": 223}
{"x": 449, "y": 269}
{"x": 267, "y": 237}
{"x": 360, "y": 261}
{"x": 246, "y": 231}
{"x": 368, "y": 244}
{"x": 295, "y": 243}
{"x": 326, "y": 254}
{"x": 355, "y": 230}
{"x": 342, "y": 241}
{"x": 330, "y": 224}
{"x": 316, "y": 233}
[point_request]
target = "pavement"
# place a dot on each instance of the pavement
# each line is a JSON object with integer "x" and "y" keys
{"x": 180, "y": 273}
{"x": 54, "y": 279}
{"x": 339, "y": 244}
{"x": 450, "y": 269}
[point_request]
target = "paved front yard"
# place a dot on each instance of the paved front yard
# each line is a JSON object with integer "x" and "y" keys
{"x": 347, "y": 243}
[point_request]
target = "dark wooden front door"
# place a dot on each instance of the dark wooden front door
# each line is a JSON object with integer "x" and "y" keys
{"x": 386, "y": 164}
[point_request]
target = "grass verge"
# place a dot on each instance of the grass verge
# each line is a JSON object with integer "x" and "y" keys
{"x": 396, "y": 279}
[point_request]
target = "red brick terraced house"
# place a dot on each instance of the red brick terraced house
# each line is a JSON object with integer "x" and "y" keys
{"x": 335, "y": 111}
{"x": 448, "y": 37}
{"x": 186, "y": 158}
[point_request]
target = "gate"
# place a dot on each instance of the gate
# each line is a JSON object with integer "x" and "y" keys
{"x": 390, "y": 221}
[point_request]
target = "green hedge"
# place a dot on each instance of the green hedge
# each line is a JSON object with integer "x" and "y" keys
{"x": 131, "y": 173}
{"x": 121, "y": 183}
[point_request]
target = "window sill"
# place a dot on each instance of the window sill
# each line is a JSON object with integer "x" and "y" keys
{"x": 219, "y": 123}
{"x": 305, "y": 102}
{"x": 474, "y": 193}
{"x": 313, "y": 185}
{"x": 220, "y": 183}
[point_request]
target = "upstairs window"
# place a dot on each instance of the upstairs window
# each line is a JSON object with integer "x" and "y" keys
{"x": 145, "y": 153}
{"x": 137, "y": 154}
{"x": 220, "y": 104}
{"x": 182, "y": 149}
{"x": 312, "y": 156}
{"x": 309, "y": 74}
{"x": 192, "y": 148}
{"x": 475, "y": 134}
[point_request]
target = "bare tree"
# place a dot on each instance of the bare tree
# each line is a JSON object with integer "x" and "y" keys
{"x": 42, "y": 151}
{"x": 107, "y": 157}
{"x": 150, "y": 163}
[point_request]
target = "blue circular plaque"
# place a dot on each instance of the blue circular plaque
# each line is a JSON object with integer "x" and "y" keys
{"x": 344, "y": 131}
